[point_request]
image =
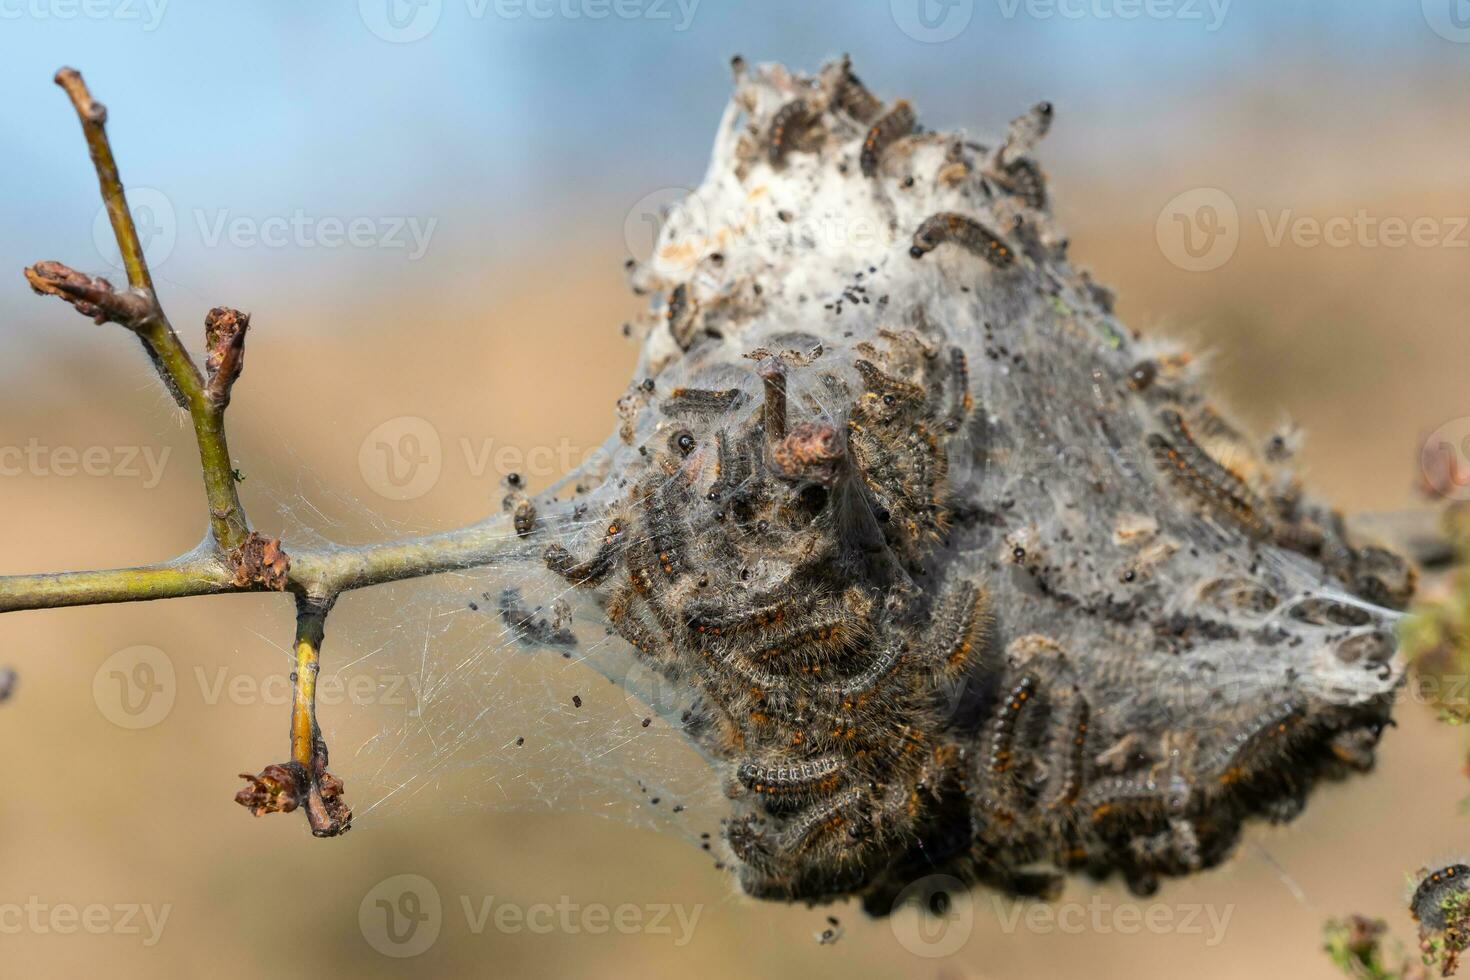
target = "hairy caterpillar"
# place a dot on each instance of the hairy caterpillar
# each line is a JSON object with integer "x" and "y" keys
{"x": 965, "y": 232}
{"x": 888, "y": 128}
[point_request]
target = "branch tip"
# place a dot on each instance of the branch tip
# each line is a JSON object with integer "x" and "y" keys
{"x": 92, "y": 296}
{"x": 284, "y": 787}
{"x": 326, "y": 811}
{"x": 87, "y": 107}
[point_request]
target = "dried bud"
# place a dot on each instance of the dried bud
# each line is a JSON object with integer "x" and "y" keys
{"x": 260, "y": 561}
{"x": 92, "y": 296}
{"x": 224, "y": 359}
{"x": 280, "y": 788}
{"x": 328, "y": 814}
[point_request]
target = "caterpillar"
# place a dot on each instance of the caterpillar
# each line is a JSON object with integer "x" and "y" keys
{"x": 851, "y": 96}
{"x": 701, "y": 403}
{"x": 947, "y": 226}
{"x": 885, "y": 131}
{"x": 790, "y": 118}
{"x": 1192, "y": 467}
{"x": 959, "y": 626}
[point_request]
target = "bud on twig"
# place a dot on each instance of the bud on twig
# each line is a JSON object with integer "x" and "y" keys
{"x": 92, "y": 296}
{"x": 279, "y": 788}
{"x": 260, "y": 561}
{"x": 224, "y": 358}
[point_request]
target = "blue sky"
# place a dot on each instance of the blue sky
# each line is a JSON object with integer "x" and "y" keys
{"x": 513, "y": 122}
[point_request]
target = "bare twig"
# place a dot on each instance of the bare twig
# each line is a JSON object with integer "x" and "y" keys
{"x": 92, "y": 296}
{"x": 303, "y": 780}
{"x": 192, "y": 574}
{"x": 93, "y": 115}
{"x": 139, "y": 311}
{"x": 232, "y": 557}
{"x": 318, "y": 573}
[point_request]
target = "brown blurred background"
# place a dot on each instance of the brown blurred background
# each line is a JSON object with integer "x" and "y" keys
{"x": 507, "y": 329}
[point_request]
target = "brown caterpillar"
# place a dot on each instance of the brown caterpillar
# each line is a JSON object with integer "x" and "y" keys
{"x": 1068, "y": 751}
{"x": 1321, "y": 611}
{"x": 1428, "y": 901}
{"x": 1239, "y": 595}
{"x": 820, "y": 819}
{"x": 1109, "y": 797}
{"x": 893, "y": 125}
{"x": 1023, "y": 178}
{"x": 594, "y": 569}
{"x": 785, "y": 125}
{"x": 628, "y": 621}
{"x": 1268, "y": 733}
{"x": 1174, "y": 849}
{"x": 700, "y": 403}
{"x": 710, "y": 616}
{"x": 807, "y": 779}
{"x": 807, "y": 644}
{"x": 1197, "y": 471}
{"x": 851, "y": 96}
{"x": 960, "y": 624}
{"x": 1003, "y": 730}
{"x": 883, "y": 665}
{"x": 961, "y": 400}
{"x": 947, "y": 226}
{"x": 682, "y": 316}
{"x": 1027, "y": 130}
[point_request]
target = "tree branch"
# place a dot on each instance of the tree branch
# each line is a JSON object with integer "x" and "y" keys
{"x": 138, "y": 310}
{"x": 187, "y": 575}
{"x": 326, "y": 813}
{"x": 93, "y": 115}
{"x": 329, "y": 572}
{"x": 320, "y": 574}
{"x": 233, "y": 557}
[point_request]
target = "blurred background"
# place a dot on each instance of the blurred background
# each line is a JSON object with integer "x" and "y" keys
{"x": 425, "y": 205}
